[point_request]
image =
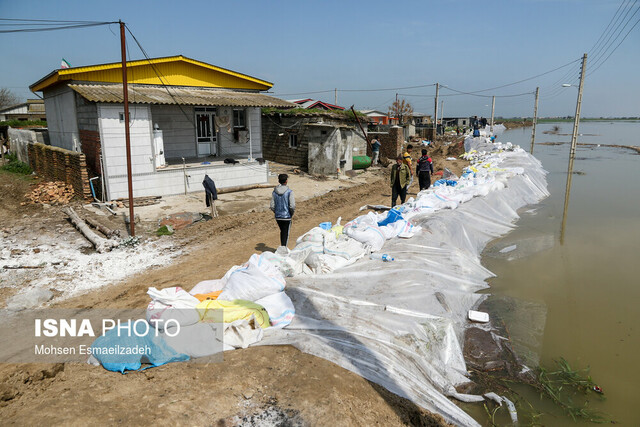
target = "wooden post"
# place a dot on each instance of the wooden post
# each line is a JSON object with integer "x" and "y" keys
{"x": 127, "y": 136}
{"x": 535, "y": 120}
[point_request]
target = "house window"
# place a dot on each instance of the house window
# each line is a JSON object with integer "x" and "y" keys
{"x": 293, "y": 140}
{"x": 239, "y": 119}
{"x": 121, "y": 117}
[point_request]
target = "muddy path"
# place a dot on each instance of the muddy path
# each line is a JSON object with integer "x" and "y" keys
{"x": 278, "y": 385}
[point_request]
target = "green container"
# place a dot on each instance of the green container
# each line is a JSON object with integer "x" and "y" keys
{"x": 361, "y": 162}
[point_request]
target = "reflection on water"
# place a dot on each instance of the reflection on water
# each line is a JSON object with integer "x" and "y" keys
{"x": 589, "y": 286}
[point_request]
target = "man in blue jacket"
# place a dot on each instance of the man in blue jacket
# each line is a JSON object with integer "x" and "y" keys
{"x": 283, "y": 204}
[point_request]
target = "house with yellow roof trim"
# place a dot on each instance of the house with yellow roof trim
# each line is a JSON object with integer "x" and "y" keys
{"x": 185, "y": 117}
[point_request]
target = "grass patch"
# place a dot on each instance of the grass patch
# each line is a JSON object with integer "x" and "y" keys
{"x": 16, "y": 166}
{"x": 23, "y": 123}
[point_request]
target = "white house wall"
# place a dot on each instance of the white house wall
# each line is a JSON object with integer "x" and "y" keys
{"x": 60, "y": 105}
{"x": 178, "y": 129}
{"x": 147, "y": 181}
{"x": 172, "y": 181}
{"x": 226, "y": 143}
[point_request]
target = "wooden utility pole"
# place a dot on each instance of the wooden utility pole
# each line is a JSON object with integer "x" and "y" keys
{"x": 435, "y": 114}
{"x": 493, "y": 110}
{"x": 572, "y": 151}
{"x": 535, "y": 120}
{"x": 127, "y": 136}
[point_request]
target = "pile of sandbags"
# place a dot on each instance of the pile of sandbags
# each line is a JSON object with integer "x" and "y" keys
{"x": 51, "y": 193}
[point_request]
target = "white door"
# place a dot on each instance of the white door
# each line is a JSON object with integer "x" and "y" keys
{"x": 206, "y": 137}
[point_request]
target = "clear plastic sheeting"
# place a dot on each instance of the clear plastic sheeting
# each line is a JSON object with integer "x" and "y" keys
{"x": 400, "y": 324}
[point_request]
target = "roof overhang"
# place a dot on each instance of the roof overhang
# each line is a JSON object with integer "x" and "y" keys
{"x": 175, "y": 95}
{"x": 172, "y": 70}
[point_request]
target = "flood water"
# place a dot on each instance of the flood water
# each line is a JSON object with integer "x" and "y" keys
{"x": 583, "y": 295}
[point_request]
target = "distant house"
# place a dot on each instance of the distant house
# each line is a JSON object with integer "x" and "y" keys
{"x": 33, "y": 109}
{"x": 309, "y": 104}
{"x": 376, "y": 117}
{"x": 420, "y": 119}
{"x": 186, "y": 116}
{"x": 317, "y": 142}
{"x": 460, "y": 122}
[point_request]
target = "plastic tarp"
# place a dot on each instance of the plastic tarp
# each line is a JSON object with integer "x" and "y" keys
{"x": 400, "y": 324}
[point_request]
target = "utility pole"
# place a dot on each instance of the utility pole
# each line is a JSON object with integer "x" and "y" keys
{"x": 127, "y": 136}
{"x": 442, "y": 115}
{"x": 535, "y": 120}
{"x": 493, "y": 109}
{"x": 572, "y": 152}
{"x": 435, "y": 118}
{"x": 335, "y": 96}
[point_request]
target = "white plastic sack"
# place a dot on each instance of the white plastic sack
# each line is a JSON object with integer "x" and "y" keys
{"x": 171, "y": 303}
{"x": 257, "y": 279}
{"x": 208, "y": 286}
{"x": 280, "y": 309}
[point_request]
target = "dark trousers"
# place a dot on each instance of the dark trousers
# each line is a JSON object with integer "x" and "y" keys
{"x": 424, "y": 179}
{"x": 285, "y": 226}
{"x": 396, "y": 191}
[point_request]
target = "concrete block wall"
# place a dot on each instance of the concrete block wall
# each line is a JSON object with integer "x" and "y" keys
{"x": 58, "y": 164}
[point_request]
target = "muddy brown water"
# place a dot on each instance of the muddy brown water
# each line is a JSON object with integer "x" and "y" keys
{"x": 577, "y": 300}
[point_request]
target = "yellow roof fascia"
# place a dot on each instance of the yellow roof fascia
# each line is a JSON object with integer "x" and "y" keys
{"x": 68, "y": 73}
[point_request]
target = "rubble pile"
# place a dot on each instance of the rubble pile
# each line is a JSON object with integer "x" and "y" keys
{"x": 52, "y": 193}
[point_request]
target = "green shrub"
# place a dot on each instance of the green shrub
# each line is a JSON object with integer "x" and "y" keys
{"x": 23, "y": 123}
{"x": 16, "y": 166}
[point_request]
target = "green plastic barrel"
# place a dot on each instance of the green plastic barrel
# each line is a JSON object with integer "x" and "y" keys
{"x": 361, "y": 162}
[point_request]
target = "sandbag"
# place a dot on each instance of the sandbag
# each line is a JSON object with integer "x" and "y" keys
{"x": 232, "y": 311}
{"x": 256, "y": 279}
{"x": 171, "y": 303}
{"x": 280, "y": 309}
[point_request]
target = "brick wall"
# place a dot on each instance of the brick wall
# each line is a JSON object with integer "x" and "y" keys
{"x": 391, "y": 142}
{"x": 58, "y": 164}
{"x": 90, "y": 142}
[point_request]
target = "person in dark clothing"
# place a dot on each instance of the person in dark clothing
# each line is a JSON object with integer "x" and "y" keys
{"x": 424, "y": 169}
{"x": 476, "y": 126}
{"x": 283, "y": 205}
{"x": 400, "y": 176}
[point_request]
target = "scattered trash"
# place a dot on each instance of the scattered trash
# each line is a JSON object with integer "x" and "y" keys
{"x": 130, "y": 241}
{"x": 597, "y": 389}
{"x": 478, "y": 316}
{"x": 325, "y": 225}
{"x": 383, "y": 257}
{"x": 508, "y": 249}
{"x": 451, "y": 158}
{"x": 165, "y": 230}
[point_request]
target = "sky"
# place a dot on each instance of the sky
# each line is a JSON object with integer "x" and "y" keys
{"x": 358, "y": 47}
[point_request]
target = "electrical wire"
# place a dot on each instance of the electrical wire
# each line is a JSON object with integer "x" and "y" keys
{"x": 66, "y": 27}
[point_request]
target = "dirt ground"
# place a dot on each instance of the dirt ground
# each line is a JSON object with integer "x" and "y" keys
{"x": 255, "y": 386}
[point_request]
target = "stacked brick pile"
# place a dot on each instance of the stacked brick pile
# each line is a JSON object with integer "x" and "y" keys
{"x": 58, "y": 164}
{"x": 51, "y": 193}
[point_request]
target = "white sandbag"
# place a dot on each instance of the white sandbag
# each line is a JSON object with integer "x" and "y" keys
{"x": 289, "y": 265}
{"x": 208, "y": 286}
{"x": 344, "y": 247}
{"x": 257, "y": 279}
{"x": 171, "y": 303}
{"x": 367, "y": 234}
{"x": 280, "y": 309}
{"x": 242, "y": 333}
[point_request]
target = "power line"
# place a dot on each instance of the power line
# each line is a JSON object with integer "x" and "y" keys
{"x": 66, "y": 27}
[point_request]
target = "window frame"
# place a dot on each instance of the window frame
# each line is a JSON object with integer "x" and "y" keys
{"x": 236, "y": 118}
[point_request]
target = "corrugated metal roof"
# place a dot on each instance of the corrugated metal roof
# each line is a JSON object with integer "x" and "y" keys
{"x": 173, "y": 95}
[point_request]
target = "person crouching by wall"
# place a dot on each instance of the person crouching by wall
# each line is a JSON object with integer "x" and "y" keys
{"x": 283, "y": 204}
{"x": 400, "y": 176}
{"x": 424, "y": 169}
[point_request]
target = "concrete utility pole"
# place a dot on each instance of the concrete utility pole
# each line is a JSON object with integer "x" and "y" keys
{"x": 493, "y": 109}
{"x": 442, "y": 115}
{"x": 572, "y": 152}
{"x": 127, "y": 136}
{"x": 435, "y": 115}
{"x": 535, "y": 120}
{"x": 335, "y": 96}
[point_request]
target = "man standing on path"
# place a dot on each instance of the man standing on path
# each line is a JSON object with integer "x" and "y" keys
{"x": 424, "y": 169}
{"x": 399, "y": 181}
{"x": 406, "y": 158}
{"x": 375, "y": 151}
{"x": 283, "y": 205}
